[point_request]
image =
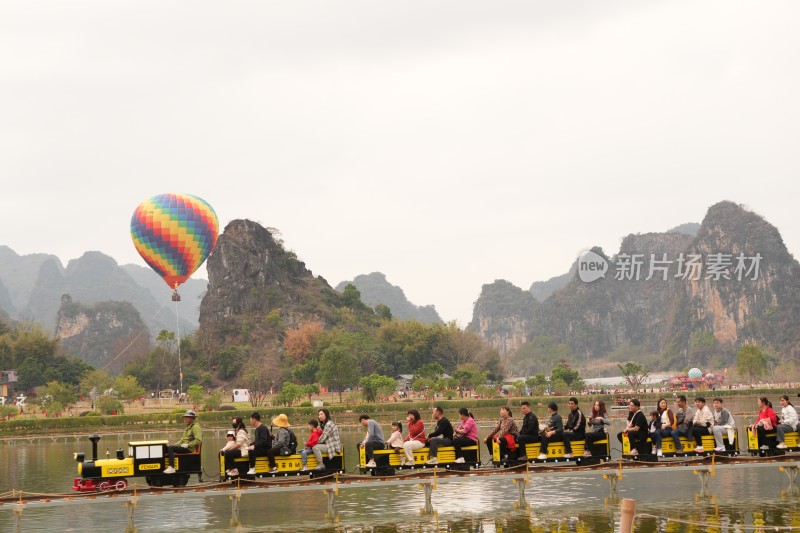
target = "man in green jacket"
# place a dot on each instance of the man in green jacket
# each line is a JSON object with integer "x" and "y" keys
{"x": 190, "y": 441}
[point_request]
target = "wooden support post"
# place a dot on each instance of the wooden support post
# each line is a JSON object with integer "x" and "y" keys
{"x": 428, "y": 509}
{"x": 235, "y": 498}
{"x": 704, "y": 474}
{"x": 331, "y": 494}
{"x": 791, "y": 473}
{"x": 627, "y": 512}
{"x": 521, "y": 502}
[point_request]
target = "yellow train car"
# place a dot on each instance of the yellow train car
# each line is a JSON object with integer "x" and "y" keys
{"x": 387, "y": 461}
{"x": 791, "y": 439}
{"x": 288, "y": 465}
{"x": 144, "y": 459}
{"x": 668, "y": 446}
{"x": 601, "y": 451}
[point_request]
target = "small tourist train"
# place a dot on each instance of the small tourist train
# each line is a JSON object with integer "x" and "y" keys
{"x": 148, "y": 460}
{"x": 145, "y": 459}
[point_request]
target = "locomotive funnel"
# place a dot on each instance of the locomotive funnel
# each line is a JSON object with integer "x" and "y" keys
{"x": 94, "y": 438}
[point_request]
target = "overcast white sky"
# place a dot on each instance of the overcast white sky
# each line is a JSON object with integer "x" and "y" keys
{"x": 446, "y": 144}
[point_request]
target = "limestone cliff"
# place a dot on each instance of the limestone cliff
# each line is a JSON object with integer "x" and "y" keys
{"x": 256, "y": 288}
{"x": 104, "y": 334}
{"x": 375, "y": 289}
{"x": 503, "y": 316}
{"x": 734, "y": 278}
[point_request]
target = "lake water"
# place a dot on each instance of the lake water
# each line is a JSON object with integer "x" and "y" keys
{"x": 740, "y": 499}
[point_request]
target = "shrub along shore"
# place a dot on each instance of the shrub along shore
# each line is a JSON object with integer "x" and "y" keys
{"x": 344, "y": 413}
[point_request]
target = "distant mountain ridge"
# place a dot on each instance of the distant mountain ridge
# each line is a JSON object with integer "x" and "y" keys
{"x": 662, "y": 316}
{"x": 375, "y": 289}
{"x": 32, "y": 286}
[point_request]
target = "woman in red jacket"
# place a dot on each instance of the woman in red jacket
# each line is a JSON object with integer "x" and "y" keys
{"x": 415, "y": 439}
{"x": 767, "y": 421}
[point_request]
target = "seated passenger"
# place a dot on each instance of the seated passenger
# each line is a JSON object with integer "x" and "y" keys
{"x": 529, "y": 432}
{"x": 261, "y": 443}
{"x": 190, "y": 440}
{"x": 702, "y": 423}
{"x": 442, "y": 435}
{"x": 554, "y": 430}
{"x": 766, "y": 421}
{"x": 373, "y": 439}
{"x": 230, "y": 441}
{"x": 684, "y": 414}
{"x": 668, "y": 424}
{"x": 395, "y": 441}
{"x": 654, "y": 430}
{"x": 635, "y": 427}
{"x": 313, "y": 439}
{"x": 415, "y": 439}
{"x": 598, "y": 420}
{"x": 329, "y": 442}
{"x": 505, "y": 426}
{"x": 238, "y": 448}
{"x": 788, "y": 421}
{"x": 280, "y": 443}
{"x": 574, "y": 428}
{"x": 723, "y": 421}
{"x": 465, "y": 434}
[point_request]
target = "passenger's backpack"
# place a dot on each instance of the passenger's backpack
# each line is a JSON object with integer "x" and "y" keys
{"x": 292, "y": 442}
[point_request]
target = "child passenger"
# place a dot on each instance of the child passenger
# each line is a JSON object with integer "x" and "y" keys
{"x": 654, "y": 429}
{"x": 230, "y": 437}
{"x": 396, "y": 438}
{"x": 313, "y": 440}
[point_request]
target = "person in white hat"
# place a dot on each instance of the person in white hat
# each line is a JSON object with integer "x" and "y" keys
{"x": 190, "y": 441}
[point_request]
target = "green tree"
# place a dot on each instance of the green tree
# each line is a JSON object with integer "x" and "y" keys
{"x": 750, "y": 362}
{"x": 288, "y": 394}
{"x": 109, "y": 405}
{"x": 429, "y": 371}
{"x": 230, "y": 360}
{"x": 469, "y": 376}
{"x": 58, "y": 393}
{"x": 338, "y": 369}
{"x": 310, "y": 390}
{"x": 95, "y": 380}
{"x": 196, "y": 394}
{"x": 30, "y": 374}
{"x": 538, "y": 384}
{"x": 128, "y": 388}
{"x": 405, "y": 346}
{"x": 634, "y": 373}
{"x": 376, "y": 386}
{"x": 562, "y": 371}
{"x": 383, "y": 312}
{"x": 213, "y": 400}
{"x": 351, "y": 297}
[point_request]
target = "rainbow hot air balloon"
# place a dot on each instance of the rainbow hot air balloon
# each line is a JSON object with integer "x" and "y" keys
{"x": 174, "y": 233}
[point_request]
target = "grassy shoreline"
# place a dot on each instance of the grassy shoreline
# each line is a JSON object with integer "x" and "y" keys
{"x": 167, "y": 419}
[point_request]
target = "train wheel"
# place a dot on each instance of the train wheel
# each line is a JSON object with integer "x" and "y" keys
{"x": 104, "y": 486}
{"x": 122, "y": 484}
{"x": 180, "y": 480}
{"x": 156, "y": 481}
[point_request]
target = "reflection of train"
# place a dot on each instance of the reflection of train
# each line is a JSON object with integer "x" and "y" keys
{"x": 145, "y": 459}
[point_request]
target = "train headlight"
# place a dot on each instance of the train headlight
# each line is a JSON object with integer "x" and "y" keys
{"x": 79, "y": 456}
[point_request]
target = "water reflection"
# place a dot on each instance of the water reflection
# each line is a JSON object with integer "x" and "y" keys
{"x": 746, "y": 497}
